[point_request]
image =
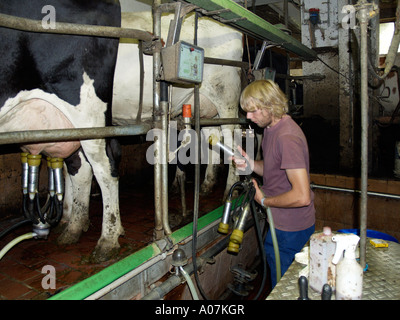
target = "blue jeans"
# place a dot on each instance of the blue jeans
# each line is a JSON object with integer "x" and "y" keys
{"x": 289, "y": 244}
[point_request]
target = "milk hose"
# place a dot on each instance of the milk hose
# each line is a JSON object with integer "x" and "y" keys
{"x": 275, "y": 245}
{"x": 17, "y": 240}
{"x": 190, "y": 283}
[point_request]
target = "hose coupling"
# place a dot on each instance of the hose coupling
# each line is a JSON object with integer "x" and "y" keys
{"x": 42, "y": 230}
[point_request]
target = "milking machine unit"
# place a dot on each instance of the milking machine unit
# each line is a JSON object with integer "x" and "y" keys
{"x": 42, "y": 218}
{"x": 48, "y": 216}
{"x": 238, "y": 216}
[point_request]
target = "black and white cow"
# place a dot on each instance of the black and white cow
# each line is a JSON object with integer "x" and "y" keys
{"x": 52, "y": 81}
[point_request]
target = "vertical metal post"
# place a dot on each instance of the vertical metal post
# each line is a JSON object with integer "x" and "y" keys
{"x": 158, "y": 229}
{"x": 363, "y": 18}
{"x": 164, "y": 148}
{"x": 286, "y": 17}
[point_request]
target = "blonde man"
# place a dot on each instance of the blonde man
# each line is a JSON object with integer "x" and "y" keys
{"x": 285, "y": 171}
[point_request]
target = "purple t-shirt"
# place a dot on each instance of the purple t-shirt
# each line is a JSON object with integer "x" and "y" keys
{"x": 285, "y": 147}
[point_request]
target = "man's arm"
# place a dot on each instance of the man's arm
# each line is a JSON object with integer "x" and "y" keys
{"x": 298, "y": 196}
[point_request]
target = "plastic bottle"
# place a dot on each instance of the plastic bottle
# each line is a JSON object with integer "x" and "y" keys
{"x": 349, "y": 273}
{"x": 322, "y": 271}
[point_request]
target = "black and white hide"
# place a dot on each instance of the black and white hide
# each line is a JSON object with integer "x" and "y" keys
{"x": 53, "y": 81}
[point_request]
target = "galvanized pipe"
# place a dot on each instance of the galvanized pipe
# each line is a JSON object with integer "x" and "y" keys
{"x": 363, "y": 18}
{"x": 158, "y": 229}
{"x": 33, "y": 136}
{"x": 370, "y": 193}
{"x": 225, "y": 62}
{"x": 164, "y": 158}
{"x": 30, "y": 25}
{"x": 220, "y": 121}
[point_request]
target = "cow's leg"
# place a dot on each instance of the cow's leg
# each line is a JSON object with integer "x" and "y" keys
{"x": 76, "y": 199}
{"x": 107, "y": 246}
{"x": 212, "y": 159}
{"x": 211, "y": 174}
{"x": 180, "y": 182}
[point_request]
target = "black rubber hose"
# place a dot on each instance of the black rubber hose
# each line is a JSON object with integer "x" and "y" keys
{"x": 14, "y": 226}
{"x": 261, "y": 247}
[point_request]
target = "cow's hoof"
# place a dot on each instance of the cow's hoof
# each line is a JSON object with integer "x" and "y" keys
{"x": 68, "y": 237}
{"x": 104, "y": 252}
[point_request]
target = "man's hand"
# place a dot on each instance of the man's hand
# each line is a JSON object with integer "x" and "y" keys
{"x": 241, "y": 163}
{"x": 259, "y": 193}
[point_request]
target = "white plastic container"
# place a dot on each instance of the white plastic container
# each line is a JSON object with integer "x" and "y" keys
{"x": 322, "y": 271}
{"x": 349, "y": 273}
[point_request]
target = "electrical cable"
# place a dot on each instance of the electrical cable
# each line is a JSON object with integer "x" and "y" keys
{"x": 197, "y": 178}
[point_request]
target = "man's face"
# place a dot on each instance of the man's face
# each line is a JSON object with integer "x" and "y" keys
{"x": 262, "y": 117}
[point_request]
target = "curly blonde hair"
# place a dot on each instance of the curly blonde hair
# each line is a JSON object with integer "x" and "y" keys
{"x": 264, "y": 94}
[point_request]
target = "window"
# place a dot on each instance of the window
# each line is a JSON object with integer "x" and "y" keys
{"x": 386, "y": 31}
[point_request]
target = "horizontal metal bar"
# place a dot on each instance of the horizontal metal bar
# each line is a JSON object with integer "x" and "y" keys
{"x": 24, "y": 24}
{"x": 225, "y": 62}
{"x": 370, "y": 193}
{"x": 34, "y": 136}
{"x": 221, "y": 121}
